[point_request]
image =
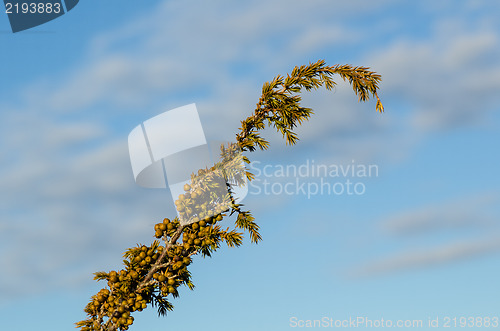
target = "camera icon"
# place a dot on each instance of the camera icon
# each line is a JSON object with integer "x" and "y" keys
{"x": 170, "y": 150}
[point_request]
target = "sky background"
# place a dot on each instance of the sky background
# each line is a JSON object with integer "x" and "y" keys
{"x": 423, "y": 241}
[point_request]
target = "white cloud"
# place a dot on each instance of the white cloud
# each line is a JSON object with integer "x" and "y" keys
{"x": 472, "y": 223}
{"x": 476, "y": 212}
{"x": 458, "y": 251}
{"x": 319, "y": 36}
{"x": 449, "y": 80}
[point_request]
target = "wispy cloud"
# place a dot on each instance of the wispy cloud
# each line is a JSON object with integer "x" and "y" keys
{"x": 450, "y": 80}
{"x": 436, "y": 256}
{"x": 472, "y": 212}
{"x": 472, "y": 223}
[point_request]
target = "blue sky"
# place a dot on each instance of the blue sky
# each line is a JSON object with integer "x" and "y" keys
{"x": 423, "y": 241}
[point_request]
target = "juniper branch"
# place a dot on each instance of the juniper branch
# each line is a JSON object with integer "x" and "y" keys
{"x": 134, "y": 287}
